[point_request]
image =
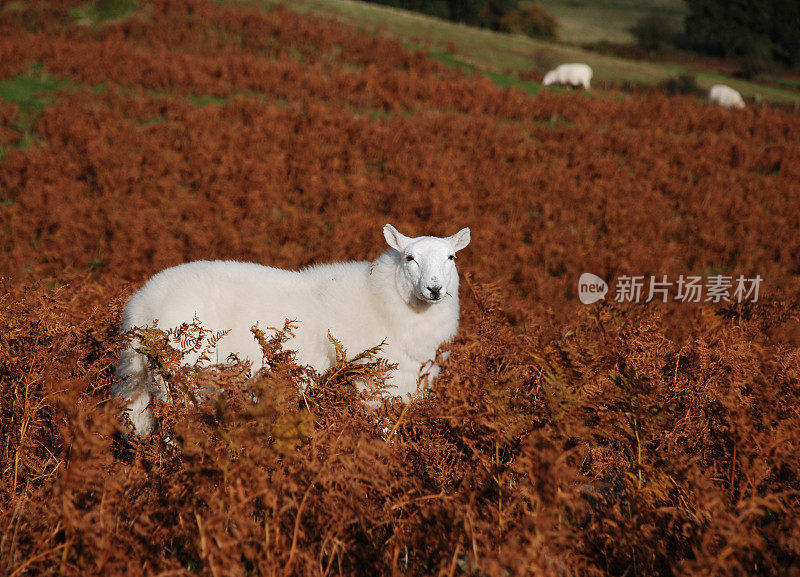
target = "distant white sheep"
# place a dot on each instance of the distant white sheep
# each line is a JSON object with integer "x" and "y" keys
{"x": 725, "y": 96}
{"x": 408, "y": 296}
{"x": 570, "y": 74}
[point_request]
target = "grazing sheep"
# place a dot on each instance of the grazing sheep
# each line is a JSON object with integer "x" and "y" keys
{"x": 408, "y": 296}
{"x": 571, "y": 74}
{"x": 725, "y": 96}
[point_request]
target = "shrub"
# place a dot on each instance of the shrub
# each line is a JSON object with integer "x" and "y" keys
{"x": 751, "y": 66}
{"x": 682, "y": 84}
{"x": 653, "y": 32}
{"x": 531, "y": 20}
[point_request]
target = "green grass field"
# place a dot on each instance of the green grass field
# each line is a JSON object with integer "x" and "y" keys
{"x": 504, "y": 56}
{"x": 31, "y": 91}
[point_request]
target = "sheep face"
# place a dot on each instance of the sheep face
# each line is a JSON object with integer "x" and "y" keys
{"x": 426, "y": 268}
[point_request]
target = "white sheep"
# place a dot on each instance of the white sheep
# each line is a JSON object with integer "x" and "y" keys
{"x": 407, "y": 296}
{"x": 571, "y": 74}
{"x": 725, "y": 96}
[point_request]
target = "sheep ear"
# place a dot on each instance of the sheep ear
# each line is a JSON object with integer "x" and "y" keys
{"x": 460, "y": 239}
{"x": 394, "y": 239}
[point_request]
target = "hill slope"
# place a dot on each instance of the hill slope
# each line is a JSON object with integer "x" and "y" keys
{"x": 561, "y": 438}
{"x": 506, "y": 57}
{"x": 585, "y": 21}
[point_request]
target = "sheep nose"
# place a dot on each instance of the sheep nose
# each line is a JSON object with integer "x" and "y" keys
{"x": 435, "y": 290}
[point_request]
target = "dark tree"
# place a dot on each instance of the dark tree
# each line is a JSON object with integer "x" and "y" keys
{"x": 483, "y": 13}
{"x": 653, "y": 31}
{"x": 762, "y": 29}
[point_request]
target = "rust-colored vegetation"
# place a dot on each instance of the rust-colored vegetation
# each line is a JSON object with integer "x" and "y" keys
{"x": 560, "y": 439}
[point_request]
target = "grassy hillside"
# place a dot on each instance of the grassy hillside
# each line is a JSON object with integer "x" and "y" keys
{"x": 587, "y": 21}
{"x": 499, "y": 53}
{"x": 622, "y": 438}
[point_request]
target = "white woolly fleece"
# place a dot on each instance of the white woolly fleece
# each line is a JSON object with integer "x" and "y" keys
{"x": 394, "y": 298}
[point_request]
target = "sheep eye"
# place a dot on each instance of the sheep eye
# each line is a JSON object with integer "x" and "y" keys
{"x": 409, "y": 258}
{"x": 452, "y": 257}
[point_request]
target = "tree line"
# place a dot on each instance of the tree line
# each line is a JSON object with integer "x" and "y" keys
{"x": 758, "y": 32}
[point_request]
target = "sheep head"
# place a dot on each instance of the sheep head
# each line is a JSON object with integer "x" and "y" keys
{"x": 426, "y": 264}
